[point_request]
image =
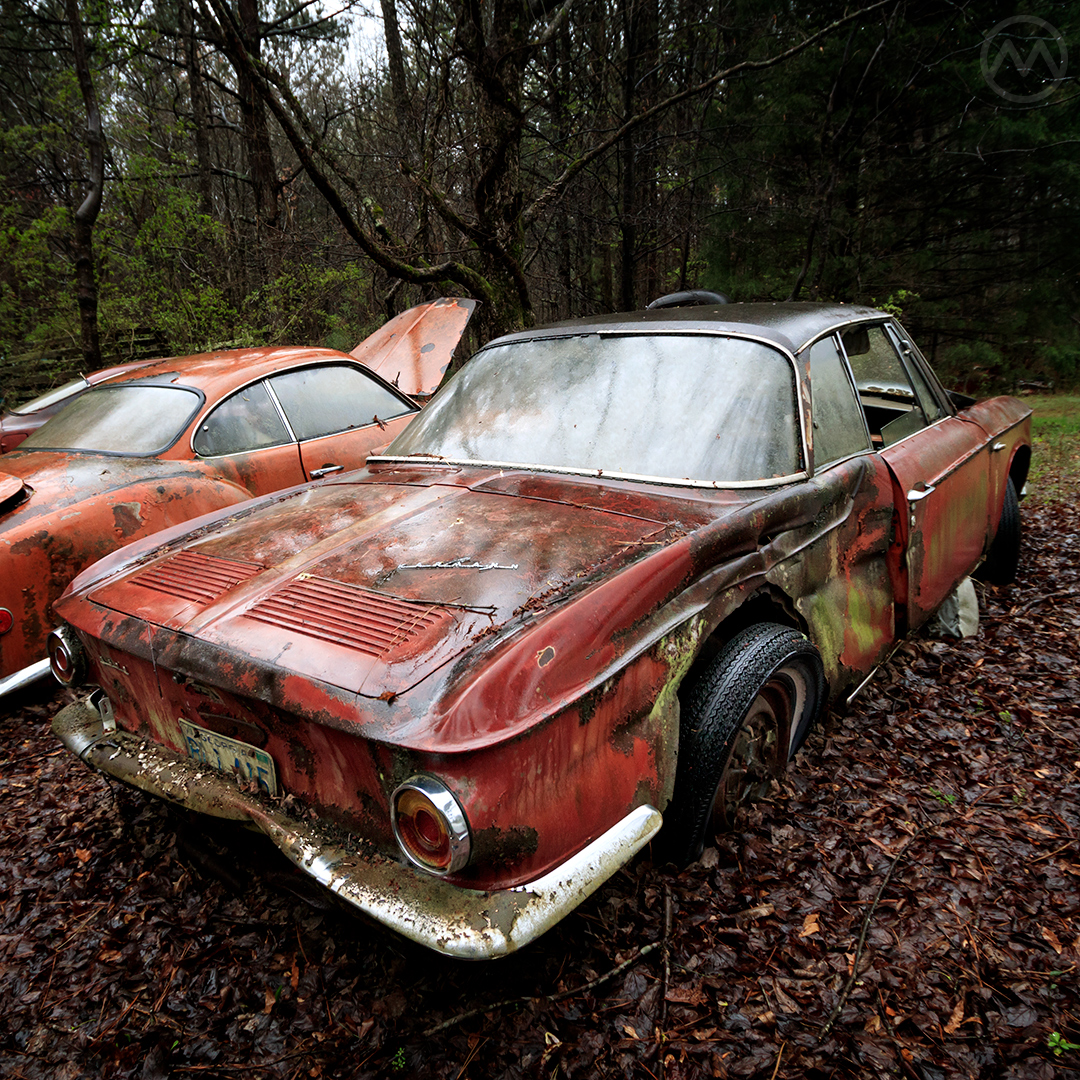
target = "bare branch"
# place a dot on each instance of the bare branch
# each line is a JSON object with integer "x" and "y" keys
{"x": 558, "y": 186}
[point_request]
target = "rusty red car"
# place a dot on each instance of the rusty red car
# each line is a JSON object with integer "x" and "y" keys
{"x": 606, "y": 582}
{"x": 170, "y": 440}
{"x": 16, "y": 424}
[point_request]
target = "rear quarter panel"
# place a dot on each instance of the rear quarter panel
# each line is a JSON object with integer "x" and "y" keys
{"x": 40, "y": 553}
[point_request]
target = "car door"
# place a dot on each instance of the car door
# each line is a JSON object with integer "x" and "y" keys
{"x": 939, "y": 463}
{"x": 340, "y": 413}
{"x": 247, "y": 428}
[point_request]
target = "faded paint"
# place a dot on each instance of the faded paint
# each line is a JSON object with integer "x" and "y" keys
{"x": 82, "y": 506}
{"x": 465, "y": 923}
{"x": 543, "y": 694}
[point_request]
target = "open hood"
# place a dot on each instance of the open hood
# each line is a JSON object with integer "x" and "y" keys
{"x": 413, "y": 350}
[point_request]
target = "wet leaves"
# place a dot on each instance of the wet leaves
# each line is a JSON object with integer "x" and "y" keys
{"x": 907, "y": 905}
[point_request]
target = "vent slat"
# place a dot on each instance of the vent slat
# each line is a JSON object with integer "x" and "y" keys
{"x": 193, "y": 576}
{"x": 368, "y": 622}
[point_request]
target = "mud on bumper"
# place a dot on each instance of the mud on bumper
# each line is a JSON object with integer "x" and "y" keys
{"x": 459, "y": 922}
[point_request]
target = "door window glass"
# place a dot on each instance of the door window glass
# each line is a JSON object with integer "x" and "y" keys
{"x": 838, "y": 420}
{"x": 334, "y": 397}
{"x": 248, "y": 420}
{"x": 889, "y": 401}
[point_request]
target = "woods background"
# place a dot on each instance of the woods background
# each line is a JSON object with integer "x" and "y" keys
{"x": 188, "y": 174}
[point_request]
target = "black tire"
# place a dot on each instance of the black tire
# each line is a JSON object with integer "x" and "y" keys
{"x": 743, "y": 719}
{"x": 1003, "y": 558}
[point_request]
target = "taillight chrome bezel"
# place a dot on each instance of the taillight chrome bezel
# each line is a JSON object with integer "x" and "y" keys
{"x": 67, "y": 657}
{"x": 430, "y": 796}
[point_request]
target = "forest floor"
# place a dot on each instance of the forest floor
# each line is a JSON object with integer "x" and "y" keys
{"x": 907, "y": 905}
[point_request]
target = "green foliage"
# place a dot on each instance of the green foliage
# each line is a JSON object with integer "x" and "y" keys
{"x": 836, "y": 179}
{"x": 975, "y": 366}
{"x": 1059, "y": 1044}
{"x": 895, "y": 303}
{"x": 1055, "y": 428}
{"x": 35, "y": 299}
{"x": 310, "y": 304}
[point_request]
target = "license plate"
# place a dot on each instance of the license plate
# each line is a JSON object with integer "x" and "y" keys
{"x": 231, "y": 756}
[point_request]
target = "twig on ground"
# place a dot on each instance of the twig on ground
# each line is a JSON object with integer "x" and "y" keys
{"x": 618, "y": 969}
{"x": 842, "y": 1000}
{"x": 1043, "y": 600}
{"x": 779, "y": 1058}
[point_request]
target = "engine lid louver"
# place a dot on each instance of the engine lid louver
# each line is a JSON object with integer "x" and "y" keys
{"x": 345, "y": 615}
{"x": 193, "y": 576}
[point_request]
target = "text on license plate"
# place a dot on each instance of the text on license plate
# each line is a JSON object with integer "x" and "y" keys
{"x": 231, "y": 756}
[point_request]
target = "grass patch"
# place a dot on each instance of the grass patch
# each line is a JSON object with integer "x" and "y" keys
{"x": 1055, "y": 436}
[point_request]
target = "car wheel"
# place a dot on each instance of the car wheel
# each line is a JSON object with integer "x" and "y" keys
{"x": 1003, "y": 558}
{"x": 743, "y": 719}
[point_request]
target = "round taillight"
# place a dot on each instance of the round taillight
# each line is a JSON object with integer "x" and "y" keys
{"x": 67, "y": 658}
{"x": 7, "y": 620}
{"x": 430, "y": 825}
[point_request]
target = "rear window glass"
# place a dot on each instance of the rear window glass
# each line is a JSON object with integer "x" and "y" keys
{"x": 136, "y": 420}
{"x": 704, "y": 408}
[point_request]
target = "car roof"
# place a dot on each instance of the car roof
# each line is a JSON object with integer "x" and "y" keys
{"x": 789, "y": 325}
{"x": 209, "y": 371}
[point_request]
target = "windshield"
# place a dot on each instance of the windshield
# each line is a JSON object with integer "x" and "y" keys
{"x": 61, "y": 393}
{"x": 135, "y": 419}
{"x": 702, "y": 408}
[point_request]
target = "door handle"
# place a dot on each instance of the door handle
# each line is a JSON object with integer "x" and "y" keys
{"x": 998, "y": 446}
{"x": 914, "y": 495}
{"x": 329, "y": 467}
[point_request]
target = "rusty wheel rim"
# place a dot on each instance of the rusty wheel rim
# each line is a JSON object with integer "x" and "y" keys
{"x": 762, "y": 745}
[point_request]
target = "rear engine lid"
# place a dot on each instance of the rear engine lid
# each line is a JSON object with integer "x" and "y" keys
{"x": 371, "y": 587}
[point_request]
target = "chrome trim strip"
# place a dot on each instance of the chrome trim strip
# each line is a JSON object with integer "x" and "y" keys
{"x": 464, "y": 923}
{"x": 25, "y": 677}
{"x": 565, "y": 470}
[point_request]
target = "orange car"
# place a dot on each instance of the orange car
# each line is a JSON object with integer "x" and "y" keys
{"x": 180, "y": 437}
{"x": 19, "y": 423}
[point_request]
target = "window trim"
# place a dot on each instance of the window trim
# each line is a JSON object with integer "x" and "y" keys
{"x": 845, "y": 364}
{"x": 339, "y": 361}
{"x": 799, "y": 386}
{"x": 190, "y": 424}
{"x": 909, "y": 351}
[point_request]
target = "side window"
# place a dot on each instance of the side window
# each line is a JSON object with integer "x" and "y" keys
{"x": 890, "y": 404}
{"x": 335, "y": 397}
{"x": 930, "y": 402}
{"x": 249, "y": 420}
{"x": 839, "y": 429}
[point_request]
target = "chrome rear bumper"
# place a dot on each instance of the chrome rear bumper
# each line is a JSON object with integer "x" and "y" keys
{"x": 25, "y": 677}
{"x": 459, "y": 922}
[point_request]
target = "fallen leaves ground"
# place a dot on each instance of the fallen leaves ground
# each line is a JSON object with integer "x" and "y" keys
{"x": 908, "y": 905}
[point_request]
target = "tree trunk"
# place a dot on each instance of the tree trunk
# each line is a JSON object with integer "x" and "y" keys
{"x": 260, "y": 157}
{"x": 200, "y": 113}
{"x": 87, "y": 213}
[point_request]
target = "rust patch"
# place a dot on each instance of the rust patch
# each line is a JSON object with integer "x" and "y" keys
{"x": 545, "y": 656}
{"x": 126, "y": 519}
{"x": 503, "y": 847}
